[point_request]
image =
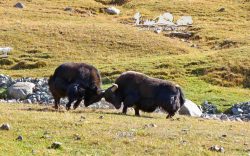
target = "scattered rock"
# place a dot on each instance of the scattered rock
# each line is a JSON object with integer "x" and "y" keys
{"x": 224, "y": 117}
{"x": 5, "y": 127}
{"x": 125, "y": 134}
{"x": 68, "y": 9}
{"x": 77, "y": 137}
{"x": 19, "y": 5}
{"x": 166, "y": 19}
{"x": 190, "y": 108}
{"x": 113, "y": 11}
{"x": 101, "y": 117}
{"x": 237, "y": 111}
{"x": 150, "y": 125}
{"x": 209, "y": 108}
{"x": 19, "y": 138}
{"x": 21, "y": 90}
{"x": 222, "y": 9}
{"x": 217, "y": 148}
{"x": 56, "y": 145}
{"x": 185, "y": 20}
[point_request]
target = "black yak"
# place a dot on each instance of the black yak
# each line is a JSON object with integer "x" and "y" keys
{"x": 144, "y": 93}
{"x": 77, "y": 81}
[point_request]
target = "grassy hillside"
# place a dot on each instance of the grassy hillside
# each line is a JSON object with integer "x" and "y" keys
{"x": 115, "y": 134}
{"x": 43, "y": 36}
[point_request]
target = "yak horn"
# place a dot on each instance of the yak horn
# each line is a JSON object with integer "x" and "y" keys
{"x": 114, "y": 87}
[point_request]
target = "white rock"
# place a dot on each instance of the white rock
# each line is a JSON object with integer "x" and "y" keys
{"x": 166, "y": 19}
{"x": 20, "y": 90}
{"x": 137, "y": 17}
{"x": 113, "y": 11}
{"x": 149, "y": 23}
{"x": 185, "y": 20}
{"x": 190, "y": 108}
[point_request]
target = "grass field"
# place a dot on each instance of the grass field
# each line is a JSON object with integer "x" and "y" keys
{"x": 115, "y": 134}
{"x": 43, "y": 36}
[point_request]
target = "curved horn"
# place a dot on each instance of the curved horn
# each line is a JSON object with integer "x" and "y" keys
{"x": 114, "y": 87}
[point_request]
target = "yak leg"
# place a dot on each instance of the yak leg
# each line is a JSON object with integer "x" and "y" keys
{"x": 68, "y": 105}
{"x": 77, "y": 103}
{"x": 129, "y": 101}
{"x": 57, "y": 102}
{"x": 137, "y": 112}
{"x": 124, "y": 110}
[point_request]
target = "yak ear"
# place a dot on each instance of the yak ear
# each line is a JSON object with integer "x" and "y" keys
{"x": 114, "y": 87}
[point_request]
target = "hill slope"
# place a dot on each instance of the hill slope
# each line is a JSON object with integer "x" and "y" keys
{"x": 43, "y": 36}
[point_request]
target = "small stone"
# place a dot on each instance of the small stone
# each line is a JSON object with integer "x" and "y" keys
{"x": 68, "y": 9}
{"x": 82, "y": 117}
{"x": 221, "y": 9}
{"x": 101, "y": 117}
{"x": 19, "y": 138}
{"x": 113, "y": 11}
{"x": 77, "y": 137}
{"x": 5, "y": 127}
{"x": 224, "y": 117}
{"x": 19, "y": 5}
{"x": 217, "y": 148}
{"x": 238, "y": 119}
{"x": 56, "y": 145}
{"x": 224, "y": 135}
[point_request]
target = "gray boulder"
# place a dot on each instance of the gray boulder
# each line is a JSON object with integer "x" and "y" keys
{"x": 190, "y": 108}
{"x": 113, "y": 11}
{"x": 21, "y": 90}
{"x": 19, "y": 5}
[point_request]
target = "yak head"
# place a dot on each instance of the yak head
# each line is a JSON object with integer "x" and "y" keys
{"x": 112, "y": 96}
{"x": 93, "y": 95}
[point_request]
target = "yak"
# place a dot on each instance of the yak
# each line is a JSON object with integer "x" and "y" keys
{"x": 77, "y": 81}
{"x": 145, "y": 93}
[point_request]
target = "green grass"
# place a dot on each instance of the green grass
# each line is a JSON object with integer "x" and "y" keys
{"x": 182, "y": 136}
{"x": 43, "y": 36}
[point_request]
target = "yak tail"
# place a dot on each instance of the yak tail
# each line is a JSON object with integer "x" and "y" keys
{"x": 181, "y": 95}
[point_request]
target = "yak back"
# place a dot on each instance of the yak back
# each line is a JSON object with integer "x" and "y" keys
{"x": 84, "y": 74}
{"x": 143, "y": 85}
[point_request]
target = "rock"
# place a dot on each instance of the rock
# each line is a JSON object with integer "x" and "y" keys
{"x": 166, "y": 19}
{"x": 221, "y": 9}
{"x": 77, "y": 137}
{"x": 101, "y": 117}
{"x": 150, "y": 125}
{"x": 68, "y": 9}
{"x": 21, "y": 90}
{"x": 185, "y": 35}
{"x": 137, "y": 17}
{"x": 5, "y": 127}
{"x": 209, "y": 108}
{"x": 190, "y": 108}
{"x": 28, "y": 101}
{"x": 56, "y": 145}
{"x": 158, "y": 30}
{"x": 217, "y": 148}
{"x": 238, "y": 119}
{"x": 113, "y": 11}
{"x": 185, "y": 20}
{"x": 20, "y": 138}
{"x": 224, "y": 117}
{"x": 19, "y": 5}
{"x": 237, "y": 111}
